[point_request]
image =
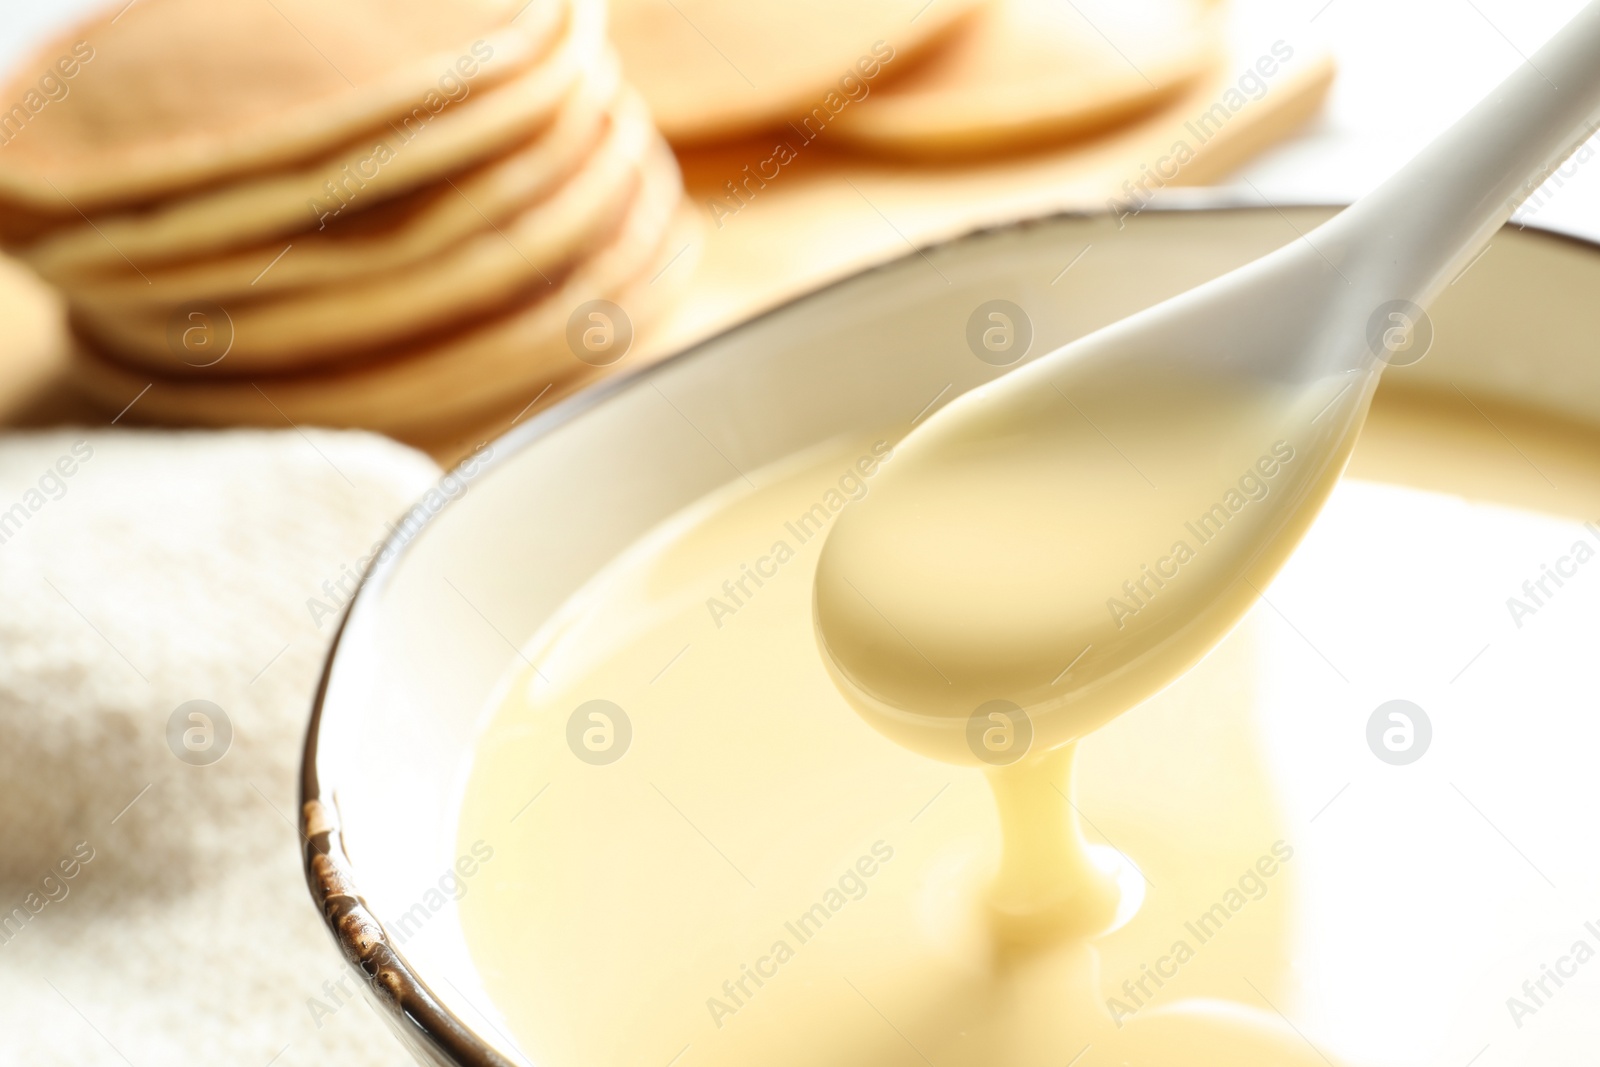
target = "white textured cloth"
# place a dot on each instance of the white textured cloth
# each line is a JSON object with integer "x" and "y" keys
{"x": 152, "y": 911}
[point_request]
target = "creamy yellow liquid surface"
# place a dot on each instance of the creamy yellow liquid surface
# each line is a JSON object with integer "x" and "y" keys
{"x": 763, "y": 876}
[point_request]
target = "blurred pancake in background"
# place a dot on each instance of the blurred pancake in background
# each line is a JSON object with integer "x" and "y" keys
{"x": 1028, "y": 72}
{"x": 170, "y": 94}
{"x": 381, "y": 249}
{"x": 339, "y": 323}
{"x": 528, "y": 352}
{"x": 712, "y": 69}
{"x": 430, "y": 136}
{"x": 385, "y": 237}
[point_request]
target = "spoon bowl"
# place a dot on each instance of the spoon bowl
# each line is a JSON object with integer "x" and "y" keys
{"x": 1068, "y": 541}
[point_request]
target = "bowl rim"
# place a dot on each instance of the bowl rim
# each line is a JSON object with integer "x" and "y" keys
{"x": 422, "y": 1021}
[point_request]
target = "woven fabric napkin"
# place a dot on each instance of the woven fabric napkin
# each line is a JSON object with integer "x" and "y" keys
{"x": 152, "y": 908}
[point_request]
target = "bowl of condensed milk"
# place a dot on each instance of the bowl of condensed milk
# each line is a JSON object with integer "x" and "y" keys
{"x": 579, "y": 790}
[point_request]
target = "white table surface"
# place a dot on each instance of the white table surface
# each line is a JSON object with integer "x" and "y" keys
{"x": 1407, "y": 69}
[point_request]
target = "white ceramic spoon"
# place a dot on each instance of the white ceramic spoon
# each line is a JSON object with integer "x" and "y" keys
{"x": 1052, "y": 548}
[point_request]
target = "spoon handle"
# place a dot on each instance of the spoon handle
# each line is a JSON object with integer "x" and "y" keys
{"x": 1410, "y": 236}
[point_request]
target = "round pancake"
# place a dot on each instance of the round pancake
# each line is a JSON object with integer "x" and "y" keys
{"x": 418, "y": 150}
{"x": 417, "y": 390}
{"x": 1025, "y": 72}
{"x": 391, "y": 235}
{"x": 711, "y": 69}
{"x": 496, "y": 267}
{"x": 170, "y": 94}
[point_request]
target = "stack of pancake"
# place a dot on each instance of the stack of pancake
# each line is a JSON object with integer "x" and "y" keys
{"x": 402, "y": 216}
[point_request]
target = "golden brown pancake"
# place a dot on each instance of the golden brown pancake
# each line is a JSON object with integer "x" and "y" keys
{"x": 393, "y": 160}
{"x": 384, "y": 238}
{"x": 499, "y": 265}
{"x": 711, "y": 69}
{"x": 416, "y": 388}
{"x": 1025, "y": 72}
{"x": 170, "y": 94}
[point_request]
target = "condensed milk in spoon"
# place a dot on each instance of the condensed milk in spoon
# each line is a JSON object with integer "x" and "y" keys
{"x": 1054, "y": 547}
